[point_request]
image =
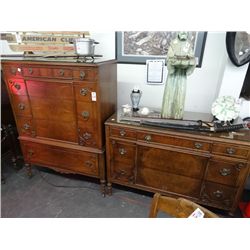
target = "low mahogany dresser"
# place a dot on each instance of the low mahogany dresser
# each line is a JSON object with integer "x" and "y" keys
{"x": 207, "y": 168}
{"x": 60, "y": 107}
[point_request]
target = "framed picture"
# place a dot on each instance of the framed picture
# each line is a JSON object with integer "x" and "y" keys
{"x": 139, "y": 46}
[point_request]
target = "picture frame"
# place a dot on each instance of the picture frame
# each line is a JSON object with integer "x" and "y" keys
{"x": 126, "y": 41}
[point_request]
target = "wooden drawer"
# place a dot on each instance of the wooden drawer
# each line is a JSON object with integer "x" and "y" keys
{"x": 122, "y": 161}
{"x": 64, "y": 131}
{"x": 25, "y": 126}
{"x": 172, "y": 162}
{"x": 17, "y": 86}
{"x": 167, "y": 182}
{"x": 59, "y": 72}
{"x": 225, "y": 172}
{"x": 13, "y": 71}
{"x": 54, "y": 90}
{"x": 174, "y": 141}
{"x": 218, "y": 195}
{"x": 85, "y": 74}
{"x": 21, "y": 105}
{"x": 122, "y": 133}
{"x": 84, "y": 92}
{"x": 53, "y": 109}
{"x": 62, "y": 158}
{"x": 230, "y": 150}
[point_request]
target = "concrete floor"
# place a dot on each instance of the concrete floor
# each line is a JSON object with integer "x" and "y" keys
{"x": 49, "y": 195}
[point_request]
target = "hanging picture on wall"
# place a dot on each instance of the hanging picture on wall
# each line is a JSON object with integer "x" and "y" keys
{"x": 139, "y": 46}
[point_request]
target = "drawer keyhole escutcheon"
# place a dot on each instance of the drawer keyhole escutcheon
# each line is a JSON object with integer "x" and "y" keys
{"x": 61, "y": 72}
{"x": 17, "y": 86}
{"x": 30, "y": 70}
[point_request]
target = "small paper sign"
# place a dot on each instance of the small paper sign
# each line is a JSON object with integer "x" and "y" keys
{"x": 155, "y": 71}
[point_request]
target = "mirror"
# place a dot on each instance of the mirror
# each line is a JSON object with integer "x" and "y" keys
{"x": 238, "y": 47}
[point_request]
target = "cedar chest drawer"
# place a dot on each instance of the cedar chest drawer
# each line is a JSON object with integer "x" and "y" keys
{"x": 48, "y": 72}
{"x": 122, "y": 133}
{"x": 62, "y": 158}
{"x": 230, "y": 150}
{"x": 174, "y": 141}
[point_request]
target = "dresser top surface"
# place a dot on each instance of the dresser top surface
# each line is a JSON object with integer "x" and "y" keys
{"x": 241, "y": 136}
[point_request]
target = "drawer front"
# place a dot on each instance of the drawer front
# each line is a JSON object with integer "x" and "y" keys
{"x": 85, "y": 74}
{"x": 218, "y": 195}
{"x": 17, "y": 86}
{"x": 71, "y": 160}
{"x": 85, "y": 92}
{"x": 172, "y": 162}
{"x": 228, "y": 173}
{"x": 174, "y": 141}
{"x": 48, "y": 72}
{"x": 167, "y": 182}
{"x": 21, "y": 105}
{"x": 13, "y": 71}
{"x": 53, "y": 109}
{"x": 53, "y": 90}
{"x": 65, "y": 131}
{"x": 230, "y": 150}
{"x": 122, "y": 133}
{"x": 122, "y": 161}
{"x": 25, "y": 126}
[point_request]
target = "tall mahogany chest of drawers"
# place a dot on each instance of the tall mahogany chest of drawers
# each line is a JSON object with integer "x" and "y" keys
{"x": 60, "y": 109}
{"x": 208, "y": 168}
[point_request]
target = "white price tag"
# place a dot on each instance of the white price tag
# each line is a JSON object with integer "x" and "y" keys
{"x": 197, "y": 214}
{"x": 93, "y": 96}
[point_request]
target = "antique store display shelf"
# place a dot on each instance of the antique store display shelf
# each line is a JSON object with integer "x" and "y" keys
{"x": 207, "y": 167}
{"x": 60, "y": 107}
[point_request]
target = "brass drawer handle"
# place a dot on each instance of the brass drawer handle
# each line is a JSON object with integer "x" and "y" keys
{"x": 225, "y": 171}
{"x": 122, "y": 151}
{"x": 21, "y": 106}
{"x": 17, "y": 86}
{"x": 198, "y": 145}
{"x": 84, "y": 91}
{"x": 89, "y": 164}
{"x": 30, "y": 71}
{"x": 85, "y": 115}
{"x": 82, "y": 75}
{"x": 218, "y": 194}
{"x": 240, "y": 166}
{"x": 148, "y": 138}
{"x": 122, "y": 132}
{"x": 26, "y": 126}
{"x": 123, "y": 172}
{"x": 30, "y": 152}
{"x": 61, "y": 72}
{"x": 230, "y": 151}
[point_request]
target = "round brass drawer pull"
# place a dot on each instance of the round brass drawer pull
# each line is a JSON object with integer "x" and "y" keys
{"x": 89, "y": 164}
{"x": 148, "y": 138}
{"x": 122, "y": 132}
{"x": 17, "y": 86}
{"x": 225, "y": 171}
{"x": 21, "y": 106}
{"x": 122, "y": 151}
{"x": 84, "y": 91}
{"x": 230, "y": 151}
{"x": 26, "y": 126}
{"x": 198, "y": 145}
{"x": 218, "y": 194}
{"x": 85, "y": 115}
{"x": 82, "y": 75}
